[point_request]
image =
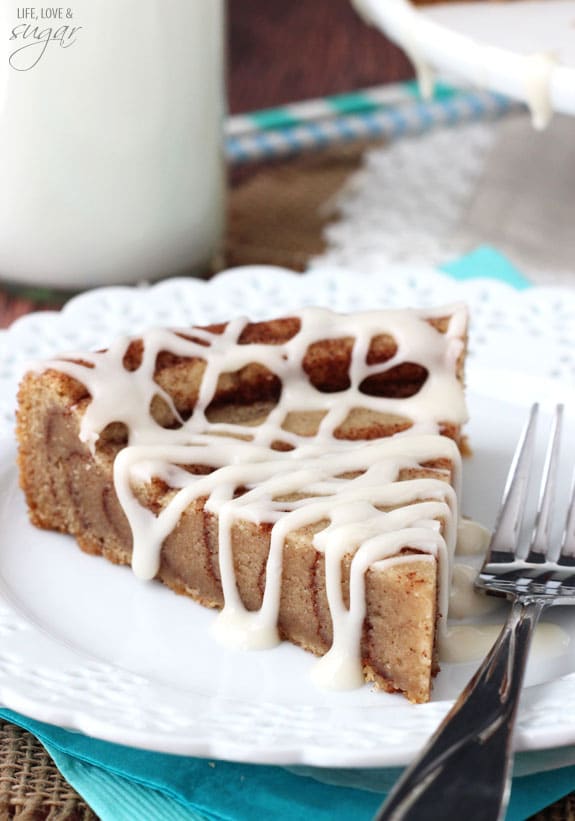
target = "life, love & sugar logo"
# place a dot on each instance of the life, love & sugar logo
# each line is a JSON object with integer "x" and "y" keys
{"x": 38, "y": 30}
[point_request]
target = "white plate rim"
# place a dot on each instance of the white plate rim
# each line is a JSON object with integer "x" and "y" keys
{"x": 264, "y": 288}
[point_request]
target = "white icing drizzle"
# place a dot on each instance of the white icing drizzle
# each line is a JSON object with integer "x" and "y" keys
{"x": 464, "y": 600}
{"x": 538, "y": 73}
{"x": 407, "y": 34}
{"x": 470, "y": 642}
{"x": 439, "y": 400}
{"x": 472, "y": 538}
{"x": 424, "y": 73}
{"x": 357, "y": 525}
{"x": 371, "y": 516}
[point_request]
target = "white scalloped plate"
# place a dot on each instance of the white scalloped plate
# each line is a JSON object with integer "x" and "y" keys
{"x": 87, "y": 646}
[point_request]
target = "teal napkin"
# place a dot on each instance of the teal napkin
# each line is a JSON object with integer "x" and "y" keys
{"x": 486, "y": 262}
{"x": 122, "y": 783}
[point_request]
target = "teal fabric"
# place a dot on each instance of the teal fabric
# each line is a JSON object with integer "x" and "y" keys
{"x": 441, "y": 91}
{"x": 210, "y": 789}
{"x": 486, "y": 262}
{"x": 272, "y": 118}
{"x": 114, "y": 797}
{"x": 352, "y": 103}
{"x": 122, "y": 783}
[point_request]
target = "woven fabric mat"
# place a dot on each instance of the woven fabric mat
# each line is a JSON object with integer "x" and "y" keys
{"x": 31, "y": 788}
{"x": 276, "y": 217}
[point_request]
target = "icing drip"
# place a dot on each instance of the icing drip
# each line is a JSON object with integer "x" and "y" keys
{"x": 464, "y": 600}
{"x": 538, "y": 72}
{"x": 467, "y": 642}
{"x": 370, "y": 512}
{"x": 472, "y": 538}
{"x": 423, "y": 71}
{"x": 407, "y": 35}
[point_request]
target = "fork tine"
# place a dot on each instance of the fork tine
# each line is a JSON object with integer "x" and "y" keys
{"x": 506, "y": 534}
{"x": 539, "y": 546}
{"x": 567, "y": 550}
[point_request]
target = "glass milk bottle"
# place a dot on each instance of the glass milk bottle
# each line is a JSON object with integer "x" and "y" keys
{"x": 111, "y": 160}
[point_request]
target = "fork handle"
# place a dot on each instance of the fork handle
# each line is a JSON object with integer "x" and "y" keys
{"x": 464, "y": 770}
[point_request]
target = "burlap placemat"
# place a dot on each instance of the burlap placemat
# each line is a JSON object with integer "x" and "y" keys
{"x": 31, "y": 788}
{"x": 276, "y": 217}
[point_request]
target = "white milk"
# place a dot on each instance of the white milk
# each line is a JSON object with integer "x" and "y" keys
{"x": 111, "y": 163}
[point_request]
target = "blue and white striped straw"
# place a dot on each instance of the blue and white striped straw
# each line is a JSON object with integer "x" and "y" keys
{"x": 364, "y": 101}
{"x": 384, "y": 112}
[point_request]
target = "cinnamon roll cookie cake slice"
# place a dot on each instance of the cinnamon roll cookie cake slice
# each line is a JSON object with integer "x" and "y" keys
{"x": 299, "y": 474}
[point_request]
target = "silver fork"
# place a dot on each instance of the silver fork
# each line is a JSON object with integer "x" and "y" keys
{"x": 464, "y": 772}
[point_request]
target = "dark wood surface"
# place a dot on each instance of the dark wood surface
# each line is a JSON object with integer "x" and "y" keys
{"x": 286, "y": 50}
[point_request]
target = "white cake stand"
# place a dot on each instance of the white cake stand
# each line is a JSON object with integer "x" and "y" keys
{"x": 524, "y": 49}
